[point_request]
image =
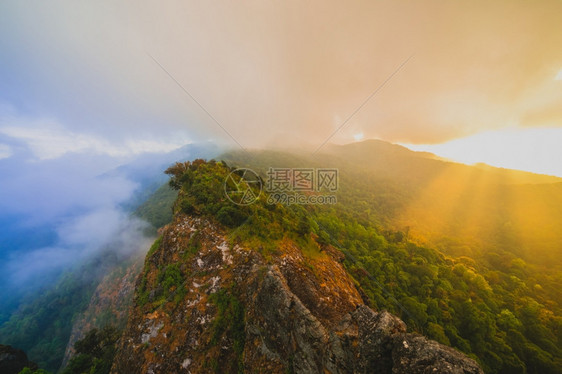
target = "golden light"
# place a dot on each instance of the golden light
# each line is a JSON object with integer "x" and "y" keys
{"x": 537, "y": 150}
{"x": 486, "y": 208}
{"x": 359, "y": 136}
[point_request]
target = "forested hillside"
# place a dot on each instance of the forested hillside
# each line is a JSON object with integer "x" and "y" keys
{"x": 483, "y": 279}
{"x": 466, "y": 255}
{"x": 228, "y": 288}
{"x": 43, "y": 324}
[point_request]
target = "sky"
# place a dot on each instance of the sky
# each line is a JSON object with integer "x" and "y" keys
{"x": 86, "y": 77}
{"x": 537, "y": 150}
{"x": 88, "y": 86}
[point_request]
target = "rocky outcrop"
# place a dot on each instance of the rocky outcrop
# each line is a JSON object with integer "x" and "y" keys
{"x": 13, "y": 360}
{"x": 415, "y": 354}
{"x": 109, "y": 304}
{"x": 205, "y": 305}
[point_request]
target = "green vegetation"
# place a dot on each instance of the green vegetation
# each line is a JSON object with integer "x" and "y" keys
{"x": 157, "y": 209}
{"x": 30, "y": 371}
{"x": 95, "y": 352}
{"x": 468, "y": 256}
{"x": 154, "y": 247}
{"x": 259, "y": 225}
{"x": 172, "y": 282}
{"x": 142, "y": 292}
{"x": 229, "y": 322}
{"x": 490, "y": 315}
{"x": 42, "y": 327}
{"x": 202, "y": 192}
{"x": 193, "y": 246}
{"x": 502, "y": 305}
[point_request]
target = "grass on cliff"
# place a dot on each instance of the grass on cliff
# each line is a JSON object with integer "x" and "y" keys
{"x": 497, "y": 308}
{"x": 260, "y": 226}
{"x": 229, "y": 323}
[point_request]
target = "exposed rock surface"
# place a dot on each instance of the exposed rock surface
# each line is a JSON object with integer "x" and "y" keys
{"x": 109, "y": 304}
{"x": 13, "y": 360}
{"x": 237, "y": 310}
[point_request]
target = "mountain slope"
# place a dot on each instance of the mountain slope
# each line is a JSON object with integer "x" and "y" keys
{"x": 461, "y": 210}
{"x": 42, "y": 326}
{"x": 482, "y": 276}
{"x": 262, "y": 297}
{"x": 203, "y": 305}
{"x": 109, "y": 304}
{"x": 475, "y": 294}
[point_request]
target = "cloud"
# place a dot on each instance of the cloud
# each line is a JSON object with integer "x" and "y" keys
{"x": 78, "y": 239}
{"x": 46, "y": 190}
{"x": 59, "y": 210}
{"x": 77, "y": 199}
{"x": 63, "y": 192}
{"x": 279, "y": 71}
{"x": 81, "y": 94}
{"x": 5, "y": 151}
{"x": 65, "y": 184}
{"x": 49, "y": 140}
{"x": 559, "y": 76}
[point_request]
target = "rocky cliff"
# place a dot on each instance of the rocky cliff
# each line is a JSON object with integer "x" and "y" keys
{"x": 203, "y": 304}
{"x": 109, "y": 305}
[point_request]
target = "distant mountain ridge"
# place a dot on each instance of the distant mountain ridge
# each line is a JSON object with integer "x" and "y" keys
{"x": 379, "y": 152}
{"x": 400, "y": 189}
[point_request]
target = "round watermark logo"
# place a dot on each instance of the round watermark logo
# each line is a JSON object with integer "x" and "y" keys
{"x": 243, "y": 186}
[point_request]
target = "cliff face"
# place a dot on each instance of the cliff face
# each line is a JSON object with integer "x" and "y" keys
{"x": 109, "y": 304}
{"x": 202, "y": 305}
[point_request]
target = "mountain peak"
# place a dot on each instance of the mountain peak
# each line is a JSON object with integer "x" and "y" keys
{"x": 213, "y": 299}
